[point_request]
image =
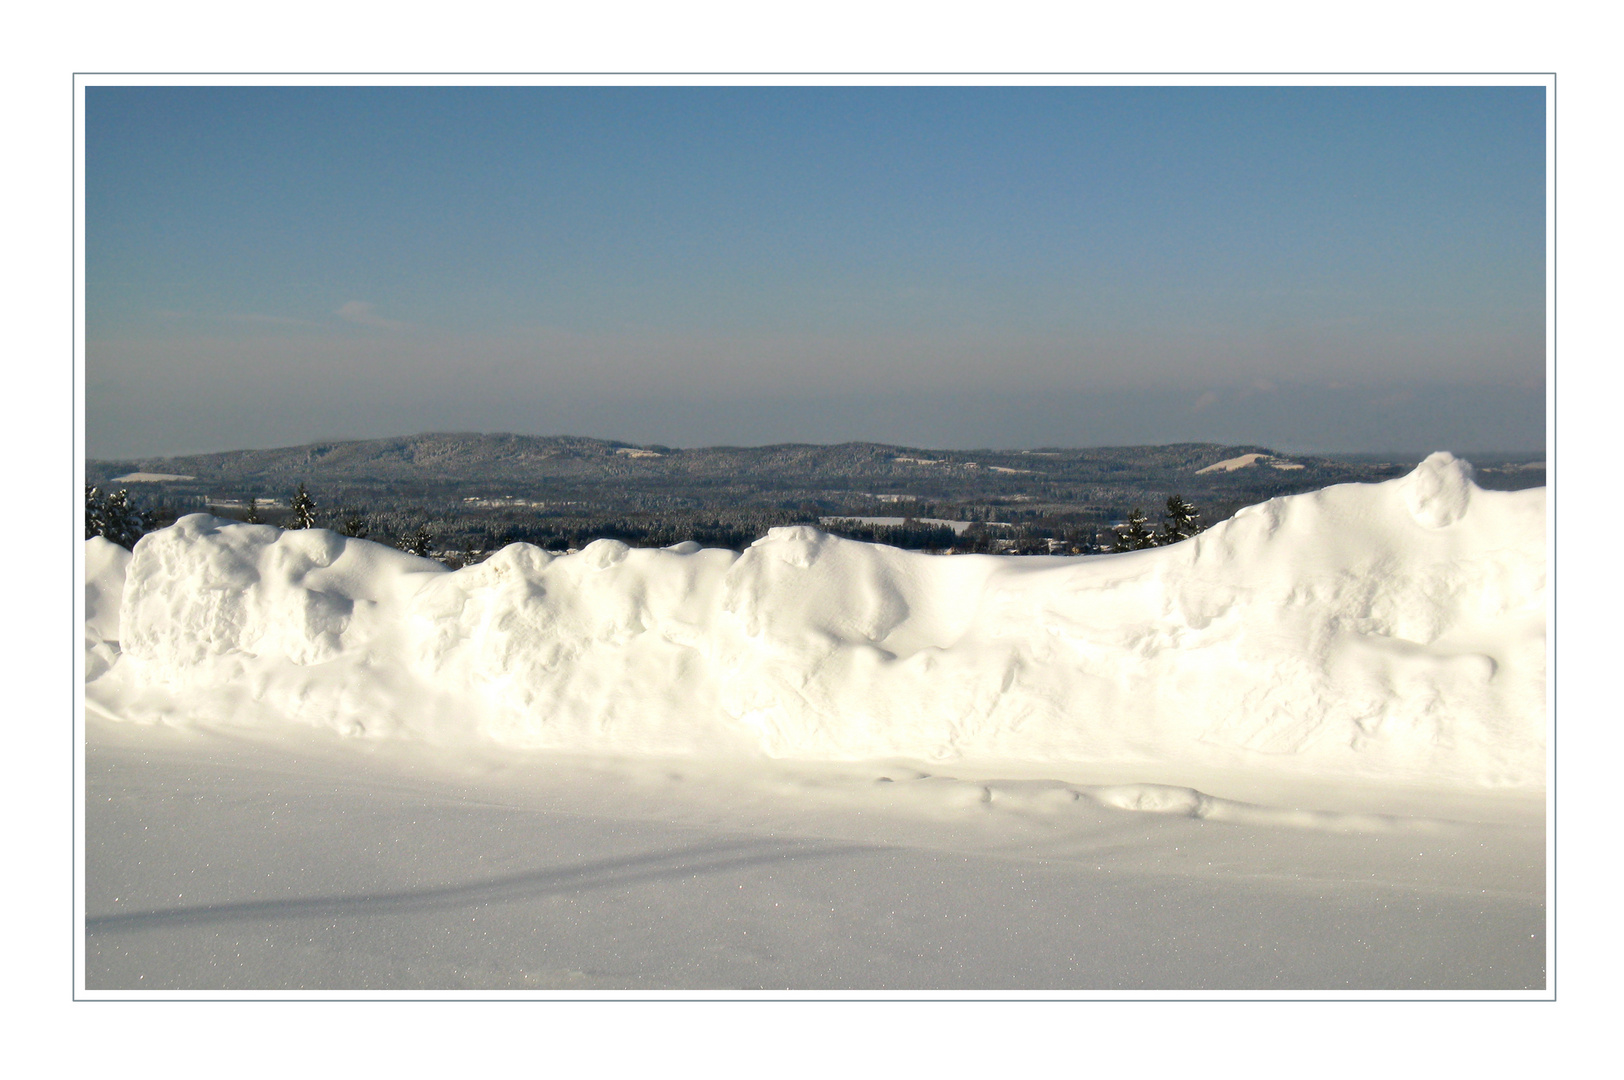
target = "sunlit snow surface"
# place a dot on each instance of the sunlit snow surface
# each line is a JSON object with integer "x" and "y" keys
{"x": 1305, "y": 750}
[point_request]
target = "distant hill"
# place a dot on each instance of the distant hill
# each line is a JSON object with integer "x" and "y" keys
{"x": 483, "y": 457}
{"x": 563, "y": 488}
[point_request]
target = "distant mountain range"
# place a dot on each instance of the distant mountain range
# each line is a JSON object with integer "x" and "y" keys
{"x": 466, "y": 483}
{"x": 480, "y": 457}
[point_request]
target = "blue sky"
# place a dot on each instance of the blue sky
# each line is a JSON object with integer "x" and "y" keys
{"x": 1355, "y": 268}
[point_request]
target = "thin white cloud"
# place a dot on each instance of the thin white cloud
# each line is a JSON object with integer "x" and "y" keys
{"x": 363, "y": 314}
{"x": 268, "y": 320}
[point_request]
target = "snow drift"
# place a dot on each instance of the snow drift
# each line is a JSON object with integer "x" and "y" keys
{"x": 1392, "y": 630}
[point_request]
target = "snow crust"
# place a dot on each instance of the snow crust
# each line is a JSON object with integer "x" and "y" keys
{"x": 1390, "y": 631}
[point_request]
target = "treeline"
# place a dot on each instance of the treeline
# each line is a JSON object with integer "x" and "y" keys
{"x": 459, "y": 538}
{"x": 911, "y": 534}
{"x": 560, "y": 534}
{"x": 1181, "y": 522}
{"x": 116, "y": 517}
{"x": 120, "y": 517}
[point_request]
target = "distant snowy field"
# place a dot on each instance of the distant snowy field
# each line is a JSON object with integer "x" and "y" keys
{"x": 1302, "y": 751}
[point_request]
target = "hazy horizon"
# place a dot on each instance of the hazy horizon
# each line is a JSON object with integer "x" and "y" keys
{"x": 1320, "y": 269}
{"x": 1469, "y": 408}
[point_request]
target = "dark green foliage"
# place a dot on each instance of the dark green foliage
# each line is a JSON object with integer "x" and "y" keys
{"x": 304, "y": 510}
{"x": 419, "y": 542}
{"x": 95, "y": 512}
{"x": 252, "y": 517}
{"x": 355, "y": 525}
{"x": 912, "y": 535}
{"x": 1181, "y": 523}
{"x": 975, "y": 540}
{"x": 1136, "y": 536}
{"x": 125, "y": 523}
{"x": 576, "y": 529}
{"x": 114, "y": 517}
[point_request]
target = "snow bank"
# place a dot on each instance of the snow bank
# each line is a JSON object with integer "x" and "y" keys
{"x": 105, "y": 563}
{"x": 1392, "y": 630}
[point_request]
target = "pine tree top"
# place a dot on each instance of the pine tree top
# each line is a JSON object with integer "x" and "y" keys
{"x": 304, "y": 510}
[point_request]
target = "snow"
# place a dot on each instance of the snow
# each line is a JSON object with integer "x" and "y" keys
{"x": 219, "y": 863}
{"x": 105, "y": 563}
{"x": 149, "y": 478}
{"x": 823, "y": 764}
{"x": 1231, "y": 464}
{"x": 1247, "y": 460}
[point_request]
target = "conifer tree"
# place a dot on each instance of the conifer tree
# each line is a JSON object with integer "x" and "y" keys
{"x": 121, "y": 522}
{"x": 418, "y": 543}
{"x": 1181, "y": 523}
{"x": 355, "y": 525}
{"x": 304, "y": 510}
{"x": 95, "y": 512}
{"x": 1136, "y": 536}
{"x": 252, "y": 517}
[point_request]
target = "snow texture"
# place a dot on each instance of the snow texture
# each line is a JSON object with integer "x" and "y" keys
{"x": 105, "y": 563}
{"x": 1389, "y": 631}
{"x": 217, "y": 862}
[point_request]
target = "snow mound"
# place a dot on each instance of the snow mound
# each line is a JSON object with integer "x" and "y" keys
{"x": 105, "y": 563}
{"x": 1392, "y": 630}
{"x": 1439, "y": 489}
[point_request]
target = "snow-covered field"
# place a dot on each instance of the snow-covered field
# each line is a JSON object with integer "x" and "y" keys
{"x": 149, "y": 478}
{"x": 1304, "y": 751}
{"x": 1246, "y": 461}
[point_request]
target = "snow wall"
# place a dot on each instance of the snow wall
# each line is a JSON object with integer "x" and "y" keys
{"x": 1392, "y": 630}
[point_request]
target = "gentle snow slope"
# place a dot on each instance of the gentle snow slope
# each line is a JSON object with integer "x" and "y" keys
{"x": 311, "y": 863}
{"x": 1391, "y": 631}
